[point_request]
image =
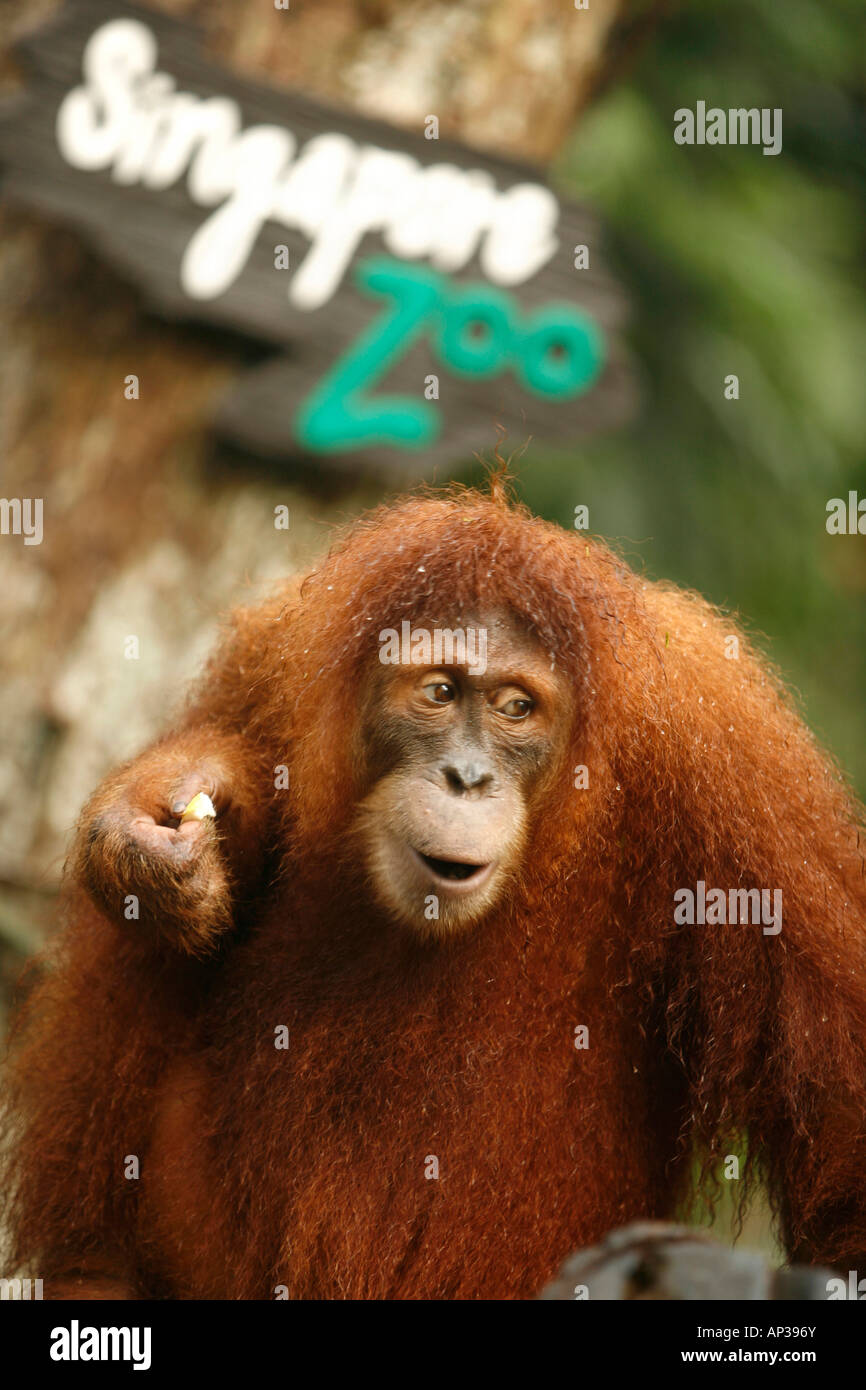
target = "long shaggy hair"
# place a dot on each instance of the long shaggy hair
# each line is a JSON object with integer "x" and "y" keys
{"x": 432, "y": 1128}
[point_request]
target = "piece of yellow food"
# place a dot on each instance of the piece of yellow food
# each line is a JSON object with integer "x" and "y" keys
{"x": 200, "y": 808}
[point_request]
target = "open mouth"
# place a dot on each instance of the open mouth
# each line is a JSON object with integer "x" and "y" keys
{"x": 454, "y": 871}
{"x": 451, "y": 868}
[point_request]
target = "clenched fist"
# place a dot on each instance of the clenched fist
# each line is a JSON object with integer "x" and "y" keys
{"x": 182, "y": 879}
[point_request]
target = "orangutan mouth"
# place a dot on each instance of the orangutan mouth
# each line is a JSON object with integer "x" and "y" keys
{"x": 455, "y": 872}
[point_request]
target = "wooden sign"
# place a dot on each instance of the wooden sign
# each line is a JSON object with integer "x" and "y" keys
{"x": 417, "y": 293}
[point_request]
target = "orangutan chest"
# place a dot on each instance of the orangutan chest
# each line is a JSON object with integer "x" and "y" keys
{"x": 438, "y": 1177}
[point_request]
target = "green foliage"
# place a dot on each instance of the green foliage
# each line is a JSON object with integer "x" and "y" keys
{"x": 737, "y": 262}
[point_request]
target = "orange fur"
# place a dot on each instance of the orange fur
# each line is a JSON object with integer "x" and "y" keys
{"x": 306, "y": 1168}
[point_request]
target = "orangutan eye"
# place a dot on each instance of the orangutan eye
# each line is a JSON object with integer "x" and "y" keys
{"x": 440, "y": 692}
{"x": 517, "y": 708}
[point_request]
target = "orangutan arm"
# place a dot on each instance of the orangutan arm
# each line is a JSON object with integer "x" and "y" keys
{"x": 183, "y": 883}
{"x": 767, "y": 1017}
